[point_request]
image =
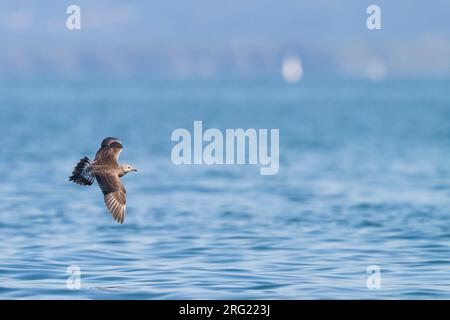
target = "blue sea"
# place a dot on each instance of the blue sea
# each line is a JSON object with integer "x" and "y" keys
{"x": 364, "y": 180}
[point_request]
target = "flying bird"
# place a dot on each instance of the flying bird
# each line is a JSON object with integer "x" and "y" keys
{"x": 107, "y": 171}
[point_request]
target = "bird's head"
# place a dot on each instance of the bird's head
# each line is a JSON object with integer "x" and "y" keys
{"x": 127, "y": 168}
{"x": 107, "y": 142}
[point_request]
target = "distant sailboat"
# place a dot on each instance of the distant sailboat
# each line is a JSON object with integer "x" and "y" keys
{"x": 292, "y": 69}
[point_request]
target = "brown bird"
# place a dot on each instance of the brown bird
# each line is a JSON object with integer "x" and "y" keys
{"x": 107, "y": 171}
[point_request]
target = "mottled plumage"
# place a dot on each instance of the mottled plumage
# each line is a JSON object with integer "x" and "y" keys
{"x": 107, "y": 171}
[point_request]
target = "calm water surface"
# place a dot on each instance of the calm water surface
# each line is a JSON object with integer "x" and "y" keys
{"x": 364, "y": 180}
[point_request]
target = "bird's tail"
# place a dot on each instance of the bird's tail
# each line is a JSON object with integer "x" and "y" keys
{"x": 82, "y": 174}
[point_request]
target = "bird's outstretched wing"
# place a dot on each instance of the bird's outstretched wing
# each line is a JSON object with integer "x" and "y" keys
{"x": 110, "y": 150}
{"x": 114, "y": 195}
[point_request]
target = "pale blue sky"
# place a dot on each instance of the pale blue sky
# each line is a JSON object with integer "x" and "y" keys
{"x": 243, "y": 37}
